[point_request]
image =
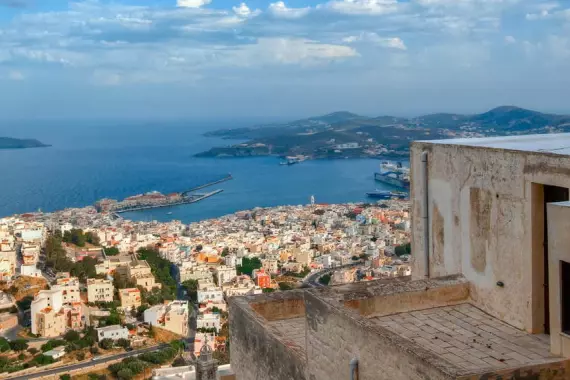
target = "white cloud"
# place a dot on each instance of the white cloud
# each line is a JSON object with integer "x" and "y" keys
{"x": 192, "y": 3}
{"x": 393, "y": 43}
{"x": 510, "y": 40}
{"x": 242, "y": 10}
{"x": 16, "y": 75}
{"x": 363, "y": 7}
{"x": 279, "y": 9}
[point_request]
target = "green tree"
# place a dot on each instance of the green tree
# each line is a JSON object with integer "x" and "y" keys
{"x": 248, "y": 265}
{"x": 179, "y": 362}
{"x": 92, "y": 238}
{"x": 161, "y": 270}
{"x": 51, "y": 344}
{"x": 326, "y": 279}
{"x": 19, "y": 345}
{"x": 33, "y": 350}
{"x": 125, "y": 374}
{"x": 112, "y": 251}
{"x": 285, "y": 286}
{"x": 125, "y": 343}
{"x": 72, "y": 336}
{"x": 268, "y": 290}
{"x": 106, "y": 344}
{"x": 4, "y": 344}
{"x": 65, "y": 377}
{"x": 225, "y": 251}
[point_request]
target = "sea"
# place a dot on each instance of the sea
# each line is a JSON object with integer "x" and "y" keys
{"x": 92, "y": 160}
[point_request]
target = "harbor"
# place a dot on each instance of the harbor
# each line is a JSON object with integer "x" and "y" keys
{"x": 155, "y": 199}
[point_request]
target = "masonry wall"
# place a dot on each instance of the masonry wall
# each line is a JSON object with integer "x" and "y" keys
{"x": 334, "y": 338}
{"x": 482, "y": 203}
{"x": 255, "y": 351}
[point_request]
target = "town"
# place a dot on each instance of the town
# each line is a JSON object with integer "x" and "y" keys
{"x": 84, "y": 286}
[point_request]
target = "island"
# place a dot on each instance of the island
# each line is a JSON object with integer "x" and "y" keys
{"x": 12, "y": 143}
{"x": 348, "y": 135}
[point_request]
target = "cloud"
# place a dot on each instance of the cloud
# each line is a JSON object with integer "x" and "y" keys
{"x": 16, "y": 75}
{"x": 371, "y": 37}
{"x": 192, "y": 3}
{"x": 510, "y": 40}
{"x": 363, "y": 7}
{"x": 14, "y": 3}
{"x": 280, "y": 10}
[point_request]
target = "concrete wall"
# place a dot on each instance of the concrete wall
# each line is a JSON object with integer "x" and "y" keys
{"x": 256, "y": 350}
{"x": 335, "y": 337}
{"x": 559, "y": 249}
{"x": 481, "y": 224}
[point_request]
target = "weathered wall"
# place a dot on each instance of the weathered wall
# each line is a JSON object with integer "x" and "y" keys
{"x": 547, "y": 371}
{"x": 481, "y": 214}
{"x": 256, "y": 352}
{"x": 414, "y": 295}
{"x": 559, "y": 244}
{"x": 334, "y": 337}
{"x": 280, "y": 309}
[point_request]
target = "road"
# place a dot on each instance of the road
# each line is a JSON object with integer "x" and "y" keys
{"x": 87, "y": 363}
{"x": 313, "y": 278}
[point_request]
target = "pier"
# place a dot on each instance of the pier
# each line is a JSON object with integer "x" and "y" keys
{"x": 226, "y": 178}
{"x": 186, "y": 200}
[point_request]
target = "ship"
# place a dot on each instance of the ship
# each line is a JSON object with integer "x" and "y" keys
{"x": 386, "y": 194}
{"x": 393, "y": 174}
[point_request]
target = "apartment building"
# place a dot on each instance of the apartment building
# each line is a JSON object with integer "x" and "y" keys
{"x": 48, "y": 317}
{"x": 207, "y": 291}
{"x": 172, "y": 316}
{"x": 241, "y": 286}
{"x": 224, "y": 274}
{"x": 488, "y": 296}
{"x": 114, "y": 332}
{"x": 70, "y": 289}
{"x": 208, "y": 321}
{"x": 140, "y": 272}
{"x": 99, "y": 290}
{"x": 130, "y": 298}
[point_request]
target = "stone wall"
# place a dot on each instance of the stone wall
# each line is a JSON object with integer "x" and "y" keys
{"x": 256, "y": 350}
{"x": 486, "y": 223}
{"x": 334, "y": 337}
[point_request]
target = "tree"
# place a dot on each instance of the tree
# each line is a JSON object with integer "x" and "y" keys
{"x": 4, "y": 344}
{"x": 19, "y": 345}
{"x": 161, "y": 270}
{"x": 51, "y": 344}
{"x": 125, "y": 374}
{"x": 106, "y": 344}
{"x": 225, "y": 251}
{"x": 198, "y": 248}
{"x": 33, "y": 350}
{"x": 248, "y": 265}
{"x": 125, "y": 343}
{"x": 65, "y": 377}
{"x": 92, "y": 238}
{"x": 112, "y": 251}
{"x": 42, "y": 360}
{"x": 72, "y": 336}
{"x": 285, "y": 286}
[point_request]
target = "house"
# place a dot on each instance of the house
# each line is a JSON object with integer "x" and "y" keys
{"x": 99, "y": 290}
{"x": 113, "y": 332}
{"x": 56, "y": 353}
{"x": 488, "y": 295}
{"x": 208, "y": 321}
{"x": 48, "y": 319}
{"x": 140, "y": 272}
{"x": 172, "y": 316}
{"x": 130, "y": 297}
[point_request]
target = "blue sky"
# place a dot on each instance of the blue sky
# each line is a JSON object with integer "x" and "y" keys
{"x": 222, "y": 59}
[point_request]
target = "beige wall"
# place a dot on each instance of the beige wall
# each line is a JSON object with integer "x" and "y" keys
{"x": 50, "y": 324}
{"x": 100, "y": 291}
{"x": 481, "y": 224}
{"x": 558, "y": 249}
{"x": 130, "y": 297}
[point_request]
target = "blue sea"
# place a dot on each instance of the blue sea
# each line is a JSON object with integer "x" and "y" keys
{"x": 92, "y": 160}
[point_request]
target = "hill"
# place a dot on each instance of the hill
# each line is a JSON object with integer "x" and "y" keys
{"x": 326, "y": 136}
{"x": 12, "y": 143}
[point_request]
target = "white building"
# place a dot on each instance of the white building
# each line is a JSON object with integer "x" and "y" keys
{"x": 113, "y": 332}
{"x": 209, "y": 293}
{"x": 172, "y": 317}
{"x": 99, "y": 290}
{"x": 56, "y": 353}
{"x": 208, "y": 321}
{"x": 225, "y": 274}
{"x": 52, "y": 299}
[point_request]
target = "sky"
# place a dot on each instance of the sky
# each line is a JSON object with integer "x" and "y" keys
{"x": 207, "y": 59}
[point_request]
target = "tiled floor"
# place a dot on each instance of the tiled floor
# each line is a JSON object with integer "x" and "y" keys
{"x": 469, "y": 338}
{"x": 292, "y": 331}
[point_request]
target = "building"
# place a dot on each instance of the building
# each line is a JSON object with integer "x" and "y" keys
{"x": 488, "y": 290}
{"x": 172, "y": 316}
{"x": 140, "y": 272}
{"x": 262, "y": 279}
{"x": 114, "y": 332}
{"x": 56, "y": 353}
{"x": 48, "y": 319}
{"x": 209, "y": 292}
{"x": 208, "y": 321}
{"x": 99, "y": 290}
{"x": 223, "y": 372}
{"x": 241, "y": 286}
{"x": 225, "y": 274}
{"x": 7, "y": 321}
{"x": 195, "y": 273}
{"x": 130, "y": 297}
{"x": 70, "y": 289}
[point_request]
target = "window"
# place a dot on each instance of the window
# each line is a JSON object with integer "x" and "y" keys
{"x": 565, "y": 296}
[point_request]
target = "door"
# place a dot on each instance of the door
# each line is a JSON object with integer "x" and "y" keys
{"x": 551, "y": 194}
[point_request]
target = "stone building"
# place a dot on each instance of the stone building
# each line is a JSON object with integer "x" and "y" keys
{"x": 140, "y": 272}
{"x": 488, "y": 295}
{"x": 99, "y": 290}
{"x": 130, "y": 297}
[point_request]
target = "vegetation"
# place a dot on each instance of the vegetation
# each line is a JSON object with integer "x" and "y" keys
{"x": 130, "y": 367}
{"x": 25, "y": 303}
{"x": 56, "y": 258}
{"x": 65, "y": 377}
{"x": 191, "y": 287}
{"x": 112, "y": 251}
{"x": 77, "y": 237}
{"x": 125, "y": 343}
{"x": 161, "y": 271}
{"x": 155, "y": 296}
{"x": 326, "y": 279}
{"x": 268, "y": 290}
{"x": 19, "y": 345}
{"x": 7, "y": 365}
{"x": 248, "y": 265}
{"x": 51, "y": 344}
{"x": 41, "y": 360}
{"x": 4, "y": 344}
{"x": 106, "y": 343}
{"x": 405, "y": 249}
{"x": 285, "y": 286}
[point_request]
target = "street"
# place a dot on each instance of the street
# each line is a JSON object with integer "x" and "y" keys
{"x": 86, "y": 363}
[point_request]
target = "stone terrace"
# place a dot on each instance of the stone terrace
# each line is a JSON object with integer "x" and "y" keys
{"x": 469, "y": 338}
{"x": 292, "y": 331}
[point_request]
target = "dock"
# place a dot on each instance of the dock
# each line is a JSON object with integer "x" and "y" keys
{"x": 187, "y": 200}
{"x": 226, "y": 178}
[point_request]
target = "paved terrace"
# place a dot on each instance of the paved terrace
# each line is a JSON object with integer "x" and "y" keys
{"x": 292, "y": 332}
{"x": 469, "y": 339}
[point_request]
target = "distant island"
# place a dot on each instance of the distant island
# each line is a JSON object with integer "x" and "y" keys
{"x": 12, "y": 143}
{"x": 348, "y": 135}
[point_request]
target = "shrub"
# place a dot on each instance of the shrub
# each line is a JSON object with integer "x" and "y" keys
{"x": 4, "y": 345}
{"x": 125, "y": 343}
{"x": 106, "y": 344}
{"x": 125, "y": 374}
{"x": 65, "y": 377}
{"x": 72, "y": 336}
{"x": 80, "y": 355}
{"x": 51, "y": 344}
{"x": 33, "y": 350}
{"x": 179, "y": 362}
{"x": 19, "y": 345}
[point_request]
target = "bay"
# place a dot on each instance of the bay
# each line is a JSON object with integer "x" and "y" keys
{"x": 93, "y": 160}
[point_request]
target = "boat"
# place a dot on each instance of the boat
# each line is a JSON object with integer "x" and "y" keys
{"x": 169, "y": 213}
{"x": 289, "y": 162}
{"x": 386, "y": 194}
{"x": 393, "y": 174}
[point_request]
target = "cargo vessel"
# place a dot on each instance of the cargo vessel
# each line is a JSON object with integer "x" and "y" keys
{"x": 393, "y": 174}
{"x": 386, "y": 194}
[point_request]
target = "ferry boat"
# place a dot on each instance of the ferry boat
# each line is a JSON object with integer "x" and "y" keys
{"x": 393, "y": 174}
{"x": 386, "y": 194}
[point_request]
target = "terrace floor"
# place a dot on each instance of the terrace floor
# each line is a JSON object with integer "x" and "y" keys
{"x": 469, "y": 339}
{"x": 292, "y": 331}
